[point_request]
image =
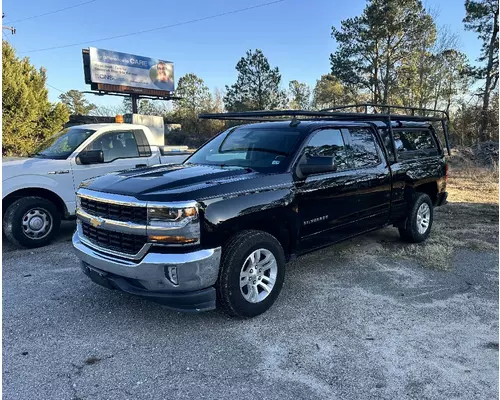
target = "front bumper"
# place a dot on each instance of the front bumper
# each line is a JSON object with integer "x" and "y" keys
{"x": 196, "y": 273}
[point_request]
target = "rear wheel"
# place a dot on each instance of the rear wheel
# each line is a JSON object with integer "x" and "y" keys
{"x": 251, "y": 274}
{"x": 31, "y": 222}
{"x": 417, "y": 226}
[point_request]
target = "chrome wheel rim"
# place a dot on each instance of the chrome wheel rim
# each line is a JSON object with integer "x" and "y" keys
{"x": 423, "y": 218}
{"x": 258, "y": 275}
{"x": 37, "y": 223}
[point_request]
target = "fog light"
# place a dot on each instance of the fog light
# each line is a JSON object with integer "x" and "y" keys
{"x": 171, "y": 274}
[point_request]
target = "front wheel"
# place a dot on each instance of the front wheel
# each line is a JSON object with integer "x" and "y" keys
{"x": 31, "y": 222}
{"x": 251, "y": 274}
{"x": 417, "y": 225}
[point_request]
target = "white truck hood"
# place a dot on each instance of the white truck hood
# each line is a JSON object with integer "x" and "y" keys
{"x": 8, "y": 159}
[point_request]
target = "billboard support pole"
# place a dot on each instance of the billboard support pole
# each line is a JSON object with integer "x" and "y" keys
{"x": 134, "y": 98}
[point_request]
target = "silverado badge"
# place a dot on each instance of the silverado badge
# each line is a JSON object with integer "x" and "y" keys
{"x": 312, "y": 221}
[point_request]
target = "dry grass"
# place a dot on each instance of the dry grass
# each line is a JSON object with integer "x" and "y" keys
{"x": 470, "y": 226}
{"x": 471, "y": 184}
{"x": 468, "y": 221}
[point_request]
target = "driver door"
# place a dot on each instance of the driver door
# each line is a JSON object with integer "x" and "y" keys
{"x": 121, "y": 152}
{"x": 326, "y": 202}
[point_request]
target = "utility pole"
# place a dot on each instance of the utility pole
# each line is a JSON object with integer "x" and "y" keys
{"x": 134, "y": 98}
{"x": 9, "y": 28}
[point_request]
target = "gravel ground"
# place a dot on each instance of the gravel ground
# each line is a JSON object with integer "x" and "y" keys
{"x": 348, "y": 326}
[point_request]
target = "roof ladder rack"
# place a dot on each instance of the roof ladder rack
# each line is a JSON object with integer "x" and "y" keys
{"x": 339, "y": 113}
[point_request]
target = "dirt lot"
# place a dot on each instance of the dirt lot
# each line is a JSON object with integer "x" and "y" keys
{"x": 469, "y": 221}
{"x": 370, "y": 318}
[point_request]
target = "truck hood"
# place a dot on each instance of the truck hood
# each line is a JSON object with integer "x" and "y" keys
{"x": 17, "y": 166}
{"x": 10, "y": 159}
{"x": 179, "y": 182}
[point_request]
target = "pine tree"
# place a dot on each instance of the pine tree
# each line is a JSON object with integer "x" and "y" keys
{"x": 76, "y": 102}
{"x": 372, "y": 46}
{"x": 195, "y": 99}
{"x": 482, "y": 18}
{"x": 300, "y": 95}
{"x": 27, "y": 115}
{"x": 329, "y": 92}
{"x": 257, "y": 86}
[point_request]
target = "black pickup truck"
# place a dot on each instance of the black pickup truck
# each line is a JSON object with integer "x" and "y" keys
{"x": 218, "y": 229}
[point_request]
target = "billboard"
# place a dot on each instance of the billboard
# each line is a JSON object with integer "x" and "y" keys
{"x": 129, "y": 73}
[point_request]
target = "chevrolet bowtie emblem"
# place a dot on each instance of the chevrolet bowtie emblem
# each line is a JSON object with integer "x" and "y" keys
{"x": 96, "y": 222}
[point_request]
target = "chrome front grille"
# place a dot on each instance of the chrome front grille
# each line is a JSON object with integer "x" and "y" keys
{"x": 116, "y": 241}
{"x": 116, "y": 212}
{"x": 113, "y": 222}
{"x": 118, "y": 224}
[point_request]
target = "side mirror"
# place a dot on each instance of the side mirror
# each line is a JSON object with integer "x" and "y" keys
{"x": 316, "y": 165}
{"x": 91, "y": 157}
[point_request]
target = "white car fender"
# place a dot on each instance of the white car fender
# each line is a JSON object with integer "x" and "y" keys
{"x": 40, "y": 182}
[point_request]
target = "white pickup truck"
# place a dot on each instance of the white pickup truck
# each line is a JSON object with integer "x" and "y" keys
{"x": 39, "y": 191}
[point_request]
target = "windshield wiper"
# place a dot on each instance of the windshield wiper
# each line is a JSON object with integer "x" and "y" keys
{"x": 41, "y": 155}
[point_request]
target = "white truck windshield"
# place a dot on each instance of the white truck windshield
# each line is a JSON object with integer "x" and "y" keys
{"x": 62, "y": 144}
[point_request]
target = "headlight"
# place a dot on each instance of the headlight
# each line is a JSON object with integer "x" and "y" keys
{"x": 175, "y": 223}
{"x": 169, "y": 217}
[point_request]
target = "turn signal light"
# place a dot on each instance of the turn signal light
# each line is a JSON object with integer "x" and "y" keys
{"x": 172, "y": 239}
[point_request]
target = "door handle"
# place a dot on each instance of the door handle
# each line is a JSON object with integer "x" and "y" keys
{"x": 141, "y": 165}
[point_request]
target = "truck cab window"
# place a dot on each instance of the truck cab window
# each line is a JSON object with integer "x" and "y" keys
{"x": 328, "y": 143}
{"x": 363, "y": 148}
{"x": 413, "y": 140}
{"x": 116, "y": 145}
{"x": 142, "y": 143}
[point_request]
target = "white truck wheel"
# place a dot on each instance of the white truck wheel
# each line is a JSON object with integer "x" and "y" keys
{"x": 31, "y": 222}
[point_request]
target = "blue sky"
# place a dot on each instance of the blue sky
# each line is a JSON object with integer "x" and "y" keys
{"x": 295, "y": 35}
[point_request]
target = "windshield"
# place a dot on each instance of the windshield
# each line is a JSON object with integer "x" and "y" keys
{"x": 265, "y": 150}
{"x": 62, "y": 144}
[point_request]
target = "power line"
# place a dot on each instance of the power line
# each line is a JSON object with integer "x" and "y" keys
{"x": 15, "y": 51}
{"x": 53, "y": 87}
{"x": 8, "y": 41}
{"x": 9, "y": 28}
{"x": 51, "y": 12}
{"x": 156, "y": 29}
{"x": 6, "y": 38}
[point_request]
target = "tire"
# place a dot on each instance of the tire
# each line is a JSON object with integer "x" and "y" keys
{"x": 412, "y": 228}
{"x": 25, "y": 215}
{"x": 245, "y": 302}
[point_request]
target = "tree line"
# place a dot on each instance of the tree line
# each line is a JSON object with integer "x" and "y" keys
{"x": 393, "y": 53}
